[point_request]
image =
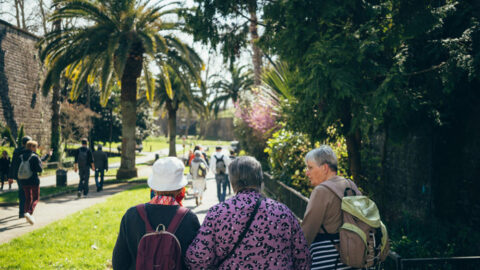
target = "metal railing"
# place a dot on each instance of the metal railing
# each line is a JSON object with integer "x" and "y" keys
{"x": 470, "y": 262}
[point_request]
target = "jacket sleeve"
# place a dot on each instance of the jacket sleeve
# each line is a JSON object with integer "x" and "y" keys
{"x": 315, "y": 214}
{"x": 301, "y": 253}
{"x": 36, "y": 164}
{"x": 76, "y": 156}
{"x": 212, "y": 163}
{"x": 12, "y": 173}
{"x": 201, "y": 252}
{"x": 90, "y": 158}
{"x": 121, "y": 258}
{"x": 106, "y": 161}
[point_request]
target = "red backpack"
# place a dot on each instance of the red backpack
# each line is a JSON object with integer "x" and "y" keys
{"x": 160, "y": 249}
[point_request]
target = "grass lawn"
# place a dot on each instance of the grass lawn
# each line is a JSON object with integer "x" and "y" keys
{"x": 84, "y": 240}
{"x": 153, "y": 144}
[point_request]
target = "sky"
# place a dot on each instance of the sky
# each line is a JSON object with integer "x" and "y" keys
{"x": 213, "y": 60}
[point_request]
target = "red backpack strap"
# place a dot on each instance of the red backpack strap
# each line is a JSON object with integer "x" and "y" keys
{"x": 143, "y": 214}
{"x": 177, "y": 219}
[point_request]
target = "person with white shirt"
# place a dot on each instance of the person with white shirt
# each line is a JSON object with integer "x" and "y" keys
{"x": 219, "y": 166}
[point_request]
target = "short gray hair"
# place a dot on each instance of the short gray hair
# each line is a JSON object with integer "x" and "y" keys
{"x": 323, "y": 155}
{"x": 245, "y": 172}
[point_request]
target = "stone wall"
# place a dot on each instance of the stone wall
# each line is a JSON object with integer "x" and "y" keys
{"x": 21, "y": 100}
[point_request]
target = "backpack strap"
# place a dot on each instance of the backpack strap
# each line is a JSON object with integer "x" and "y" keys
{"x": 143, "y": 214}
{"x": 350, "y": 186}
{"x": 177, "y": 219}
{"x": 244, "y": 232}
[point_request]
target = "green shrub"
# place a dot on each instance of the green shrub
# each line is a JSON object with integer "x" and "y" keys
{"x": 252, "y": 141}
{"x": 286, "y": 152}
{"x": 286, "y": 158}
{"x": 434, "y": 238}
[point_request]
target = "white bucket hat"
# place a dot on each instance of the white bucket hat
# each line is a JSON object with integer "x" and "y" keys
{"x": 167, "y": 175}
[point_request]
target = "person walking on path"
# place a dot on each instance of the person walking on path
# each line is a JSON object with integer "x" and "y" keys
{"x": 4, "y": 168}
{"x": 232, "y": 156}
{"x": 198, "y": 170}
{"x": 83, "y": 164}
{"x": 168, "y": 182}
{"x": 100, "y": 161}
{"x": 248, "y": 231}
{"x": 28, "y": 170}
{"x": 323, "y": 216}
{"x": 13, "y": 174}
{"x": 219, "y": 166}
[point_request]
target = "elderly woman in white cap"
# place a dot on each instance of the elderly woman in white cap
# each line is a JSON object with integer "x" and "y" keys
{"x": 168, "y": 183}
{"x": 198, "y": 170}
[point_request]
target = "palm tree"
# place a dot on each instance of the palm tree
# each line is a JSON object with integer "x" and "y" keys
{"x": 183, "y": 93}
{"x": 230, "y": 89}
{"x": 115, "y": 42}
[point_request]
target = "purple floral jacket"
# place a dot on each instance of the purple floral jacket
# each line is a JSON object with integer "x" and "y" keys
{"x": 274, "y": 241}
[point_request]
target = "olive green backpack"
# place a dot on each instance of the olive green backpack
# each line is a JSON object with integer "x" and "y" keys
{"x": 363, "y": 237}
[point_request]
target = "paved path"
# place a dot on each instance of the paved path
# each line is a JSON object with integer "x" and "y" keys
{"x": 73, "y": 177}
{"x": 58, "y": 208}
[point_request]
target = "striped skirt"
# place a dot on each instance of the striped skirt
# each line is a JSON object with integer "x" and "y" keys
{"x": 324, "y": 254}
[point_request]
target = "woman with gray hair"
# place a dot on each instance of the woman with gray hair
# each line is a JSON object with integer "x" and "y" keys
{"x": 248, "y": 231}
{"x": 323, "y": 216}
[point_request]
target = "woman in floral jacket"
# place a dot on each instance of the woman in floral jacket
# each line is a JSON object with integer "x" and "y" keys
{"x": 273, "y": 240}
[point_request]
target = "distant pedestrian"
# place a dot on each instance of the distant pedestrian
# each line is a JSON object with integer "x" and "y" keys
{"x": 4, "y": 168}
{"x": 198, "y": 170}
{"x": 249, "y": 231}
{"x": 204, "y": 154}
{"x": 229, "y": 184}
{"x": 28, "y": 170}
{"x": 83, "y": 164}
{"x": 191, "y": 154}
{"x": 100, "y": 160}
{"x": 134, "y": 249}
{"x": 13, "y": 174}
{"x": 219, "y": 166}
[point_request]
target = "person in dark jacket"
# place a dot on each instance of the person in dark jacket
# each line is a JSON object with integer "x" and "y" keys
{"x": 168, "y": 182}
{"x": 4, "y": 167}
{"x": 83, "y": 163}
{"x": 31, "y": 186}
{"x": 13, "y": 173}
{"x": 100, "y": 160}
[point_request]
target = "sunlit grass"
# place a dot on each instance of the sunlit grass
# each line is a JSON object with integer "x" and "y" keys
{"x": 84, "y": 240}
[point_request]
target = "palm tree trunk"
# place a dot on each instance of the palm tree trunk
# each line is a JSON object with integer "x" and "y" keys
{"x": 55, "y": 135}
{"x": 128, "y": 103}
{"x": 257, "y": 53}
{"x": 172, "y": 129}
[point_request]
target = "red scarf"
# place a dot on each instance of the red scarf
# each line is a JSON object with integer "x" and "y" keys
{"x": 169, "y": 200}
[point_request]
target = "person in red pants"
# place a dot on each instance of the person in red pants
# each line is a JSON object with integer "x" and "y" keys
{"x": 29, "y": 168}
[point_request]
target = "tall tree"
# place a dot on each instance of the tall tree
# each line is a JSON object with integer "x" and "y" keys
{"x": 55, "y": 138}
{"x": 226, "y": 90}
{"x": 112, "y": 45}
{"x": 184, "y": 92}
{"x": 228, "y": 23}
